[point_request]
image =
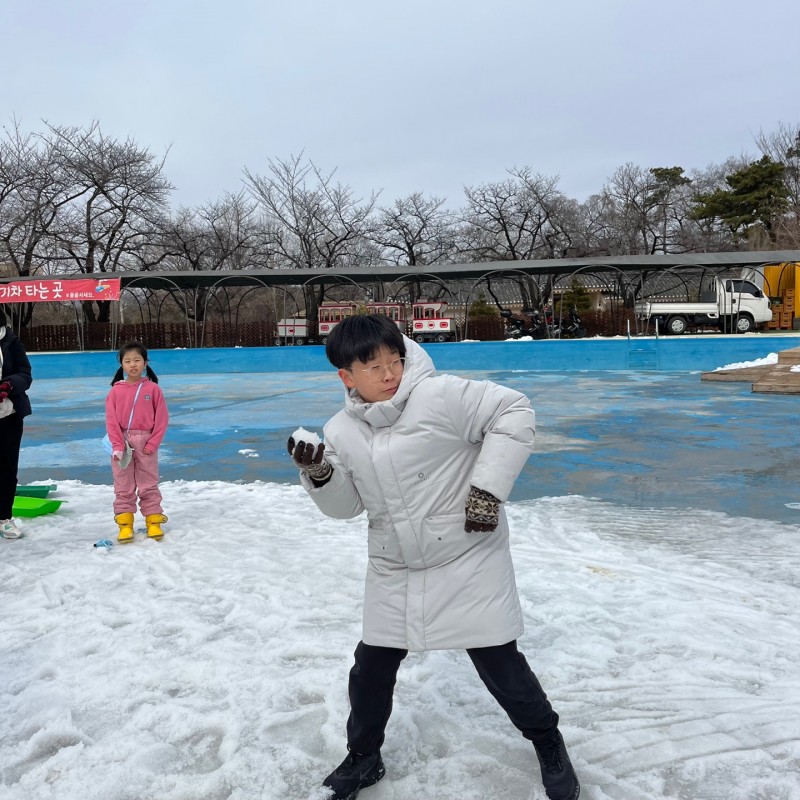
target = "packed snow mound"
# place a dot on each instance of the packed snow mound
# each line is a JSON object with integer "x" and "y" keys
{"x": 214, "y": 664}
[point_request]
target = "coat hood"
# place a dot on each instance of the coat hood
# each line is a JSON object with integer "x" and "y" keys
{"x": 418, "y": 366}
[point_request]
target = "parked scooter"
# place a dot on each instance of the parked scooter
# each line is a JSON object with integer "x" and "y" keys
{"x": 525, "y": 324}
{"x": 572, "y": 328}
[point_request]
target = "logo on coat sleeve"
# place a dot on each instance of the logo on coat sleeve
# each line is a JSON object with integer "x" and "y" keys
{"x": 421, "y": 478}
{"x": 147, "y": 397}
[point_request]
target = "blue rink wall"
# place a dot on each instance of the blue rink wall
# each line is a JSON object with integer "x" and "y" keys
{"x": 624, "y": 421}
{"x": 684, "y": 353}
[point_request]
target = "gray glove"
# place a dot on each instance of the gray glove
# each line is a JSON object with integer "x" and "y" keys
{"x": 482, "y": 510}
{"x": 309, "y": 462}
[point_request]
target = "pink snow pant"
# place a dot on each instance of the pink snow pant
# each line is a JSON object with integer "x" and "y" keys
{"x": 141, "y": 474}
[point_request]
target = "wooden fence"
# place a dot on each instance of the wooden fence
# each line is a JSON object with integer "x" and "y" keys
{"x": 169, "y": 335}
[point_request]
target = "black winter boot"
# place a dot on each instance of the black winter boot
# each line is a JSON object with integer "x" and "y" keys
{"x": 354, "y": 774}
{"x": 558, "y": 776}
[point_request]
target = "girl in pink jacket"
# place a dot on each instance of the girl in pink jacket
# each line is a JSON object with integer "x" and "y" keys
{"x": 136, "y": 414}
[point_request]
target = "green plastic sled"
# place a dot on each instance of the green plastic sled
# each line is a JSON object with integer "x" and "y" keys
{"x": 35, "y": 491}
{"x": 34, "y": 506}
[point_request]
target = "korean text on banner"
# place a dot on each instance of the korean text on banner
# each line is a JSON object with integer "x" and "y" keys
{"x": 46, "y": 290}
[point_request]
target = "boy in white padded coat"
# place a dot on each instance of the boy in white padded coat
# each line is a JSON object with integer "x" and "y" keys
{"x": 431, "y": 458}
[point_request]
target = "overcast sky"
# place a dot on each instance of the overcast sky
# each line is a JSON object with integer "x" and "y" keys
{"x": 420, "y": 95}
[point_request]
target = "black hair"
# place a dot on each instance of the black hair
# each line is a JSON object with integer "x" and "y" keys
{"x": 142, "y": 350}
{"x": 359, "y": 338}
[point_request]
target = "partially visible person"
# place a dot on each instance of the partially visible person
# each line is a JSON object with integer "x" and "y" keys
{"x": 15, "y": 380}
{"x": 136, "y": 415}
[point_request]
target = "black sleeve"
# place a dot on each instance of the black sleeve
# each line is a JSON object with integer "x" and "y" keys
{"x": 17, "y": 368}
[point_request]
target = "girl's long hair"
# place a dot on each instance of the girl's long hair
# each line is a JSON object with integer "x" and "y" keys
{"x": 142, "y": 350}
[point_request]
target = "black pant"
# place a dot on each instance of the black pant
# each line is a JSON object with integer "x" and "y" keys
{"x": 503, "y": 669}
{"x": 10, "y": 440}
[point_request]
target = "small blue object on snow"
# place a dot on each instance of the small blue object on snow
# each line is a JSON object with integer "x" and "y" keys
{"x": 104, "y": 543}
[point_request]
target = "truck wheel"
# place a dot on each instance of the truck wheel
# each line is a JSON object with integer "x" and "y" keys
{"x": 419, "y": 338}
{"x": 299, "y": 342}
{"x": 277, "y": 341}
{"x": 745, "y": 323}
{"x": 442, "y": 337}
{"x": 676, "y": 325}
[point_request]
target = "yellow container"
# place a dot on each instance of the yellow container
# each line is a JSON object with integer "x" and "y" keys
{"x": 783, "y": 281}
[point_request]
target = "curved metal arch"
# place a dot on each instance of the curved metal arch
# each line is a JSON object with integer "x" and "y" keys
{"x": 286, "y": 293}
{"x": 138, "y": 304}
{"x": 713, "y": 270}
{"x": 424, "y": 277}
{"x": 131, "y": 284}
{"x": 257, "y": 281}
{"x": 784, "y": 265}
{"x": 608, "y": 269}
{"x": 659, "y": 275}
{"x": 476, "y": 283}
{"x": 210, "y": 297}
{"x": 161, "y": 306}
{"x": 340, "y": 280}
{"x": 244, "y": 296}
{"x": 485, "y": 277}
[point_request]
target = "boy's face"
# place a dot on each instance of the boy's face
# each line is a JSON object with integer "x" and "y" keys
{"x": 378, "y": 378}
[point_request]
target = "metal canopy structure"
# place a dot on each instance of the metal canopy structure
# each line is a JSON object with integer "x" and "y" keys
{"x": 468, "y": 271}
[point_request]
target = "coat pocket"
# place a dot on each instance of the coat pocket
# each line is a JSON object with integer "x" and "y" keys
{"x": 383, "y": 547}
{"x": 444, "y": 539}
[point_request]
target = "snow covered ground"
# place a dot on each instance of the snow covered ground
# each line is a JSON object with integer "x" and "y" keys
{"x": 213, "y": 665}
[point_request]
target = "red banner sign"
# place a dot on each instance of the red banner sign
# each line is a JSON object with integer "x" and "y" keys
{"x": 49, "y": 289}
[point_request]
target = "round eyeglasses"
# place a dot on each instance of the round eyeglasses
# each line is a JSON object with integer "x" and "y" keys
{"x": 377, "y": 372}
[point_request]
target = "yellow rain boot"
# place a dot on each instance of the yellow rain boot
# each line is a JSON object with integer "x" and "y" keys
{"x": 154, "y": 525}
{"x": 125, "y": 522}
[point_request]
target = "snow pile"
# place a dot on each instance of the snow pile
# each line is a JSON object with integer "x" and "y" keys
{"x": 772, "y": 358}
{"x": 214, "y": 664}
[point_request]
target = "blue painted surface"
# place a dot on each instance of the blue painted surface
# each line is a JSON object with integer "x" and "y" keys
{"x": 643, "y": 353}
{"x": 644, "y": 439}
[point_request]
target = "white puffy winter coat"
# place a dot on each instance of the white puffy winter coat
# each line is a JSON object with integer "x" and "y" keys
{"x": 409, "y": 461}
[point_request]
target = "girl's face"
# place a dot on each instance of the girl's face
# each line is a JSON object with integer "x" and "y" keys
{"x": 133, "y": 365}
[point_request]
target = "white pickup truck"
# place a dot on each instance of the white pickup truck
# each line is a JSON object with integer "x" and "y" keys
{"x": 734, "y": 305}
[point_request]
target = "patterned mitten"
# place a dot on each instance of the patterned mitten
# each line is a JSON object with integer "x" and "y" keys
{"x": 310, "y": 460}
{"x": 483, "y": 511}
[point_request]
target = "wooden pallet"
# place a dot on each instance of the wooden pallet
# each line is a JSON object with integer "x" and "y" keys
{"x": 769, "y": 379}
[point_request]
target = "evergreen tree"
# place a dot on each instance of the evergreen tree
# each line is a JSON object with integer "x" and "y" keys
{"x": 757, "y": 197}
{"x": 481, "y": 308}
{"x": 578, "y": 296}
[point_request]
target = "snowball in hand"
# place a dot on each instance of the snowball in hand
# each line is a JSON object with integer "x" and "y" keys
{"x": 309, "y": 437}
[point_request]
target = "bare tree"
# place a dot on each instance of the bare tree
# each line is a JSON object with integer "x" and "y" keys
{"x": 119, "y": 211}
{"x": 523, "y": 217}
{"x": 35, "y": 188}
{"x": 221, "y": 235}
{"x": 416, "y": 231}
{"x": 513, "y": 219}
{"x": 783, "y": 146}
{"x": 313, "y": 222}
{"x": 629, "y": 206}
